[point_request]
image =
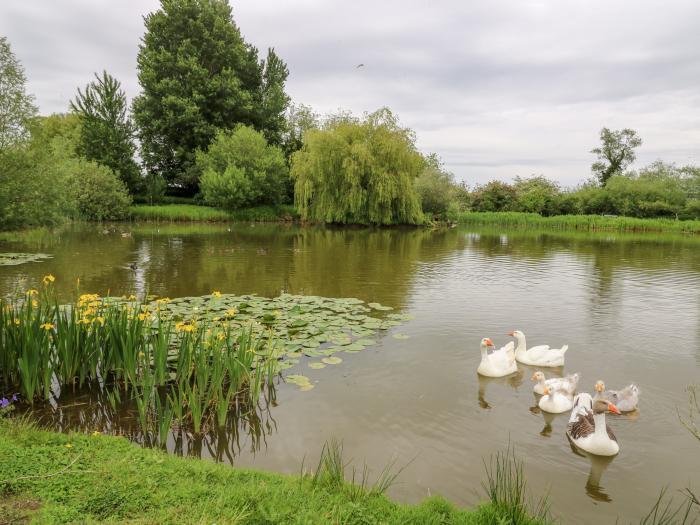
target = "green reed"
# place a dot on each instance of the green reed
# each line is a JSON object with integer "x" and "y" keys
{"x": 188, "y": 373}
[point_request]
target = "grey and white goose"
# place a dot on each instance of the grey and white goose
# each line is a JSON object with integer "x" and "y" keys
{"x": 587, "y": 428}
{"x": 626, "y": 400}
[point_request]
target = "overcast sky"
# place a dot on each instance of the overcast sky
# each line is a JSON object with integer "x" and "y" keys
{"x": 497, "y": 88}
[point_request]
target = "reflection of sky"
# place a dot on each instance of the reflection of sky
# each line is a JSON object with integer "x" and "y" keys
{"x": 628, "y": 309}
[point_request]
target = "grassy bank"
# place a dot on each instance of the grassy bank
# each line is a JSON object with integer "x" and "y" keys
{"x": 58, "y": 478}
{"x": 195, "y": 213}
{"x": 577, "y": 222}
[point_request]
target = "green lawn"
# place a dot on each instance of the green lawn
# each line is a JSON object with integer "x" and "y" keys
{"x": 51, "y": 478}
{"x": 577, "y": 222}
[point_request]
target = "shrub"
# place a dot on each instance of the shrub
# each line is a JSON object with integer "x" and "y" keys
{"x": 359, "y": 171}
{"x": 241, "y": 170}
{"x": 494, "y": 196}
{"x": 99, "y": 194}
{"x": 537, "y": 195}
{"x": 436, "y": 188}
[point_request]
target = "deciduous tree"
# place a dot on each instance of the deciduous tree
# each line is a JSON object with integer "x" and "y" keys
{"x": 615, "y": 153}
{"x": 16, "y": 106}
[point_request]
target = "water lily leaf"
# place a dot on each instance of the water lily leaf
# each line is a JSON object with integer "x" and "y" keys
{"x": 297, "y": 379}
{"x": 366, "y": 342}
{"x": 400, "y": 336}
{"x": 316, "y": 365}
{"x": 354, "y": 347}
{"x": 13, "y": 259}
{"x": 306, "y": 388}
{"x": 377, "y": 306}
{"x": 332, "y": 360}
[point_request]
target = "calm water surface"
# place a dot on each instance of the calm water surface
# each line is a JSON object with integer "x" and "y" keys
{"x": 628, "y": 307}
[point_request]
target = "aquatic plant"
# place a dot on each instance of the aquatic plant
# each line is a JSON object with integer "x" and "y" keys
{"x": 13, "y": 259}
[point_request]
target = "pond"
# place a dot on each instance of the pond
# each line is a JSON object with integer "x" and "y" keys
{"x": 627, "y": 306}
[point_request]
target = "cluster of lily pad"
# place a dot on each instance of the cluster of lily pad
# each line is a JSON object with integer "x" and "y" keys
{"x": 304, "y": 326}
{"x": 14, "y": 259}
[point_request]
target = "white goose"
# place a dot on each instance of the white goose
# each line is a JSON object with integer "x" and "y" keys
{"x": 587, "y": 428}
{"x": 541, "y": 355}
{"x": 499, "y": 362}
{"x": 626, "y": 400}
{"x": 555, "y": 401}
{"x": 568, "y": 383}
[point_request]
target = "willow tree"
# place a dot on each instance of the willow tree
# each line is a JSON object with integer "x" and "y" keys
{"x": 358, "y": 171}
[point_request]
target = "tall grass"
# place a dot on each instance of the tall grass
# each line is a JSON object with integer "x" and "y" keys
{"x": 577, "y": 222}
{"x": 195, "y": 213}
{"x": 505, "y": 487}
{"x": 186, "y": 373}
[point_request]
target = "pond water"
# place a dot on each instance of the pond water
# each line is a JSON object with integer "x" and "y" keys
{"x": 627, "y": 306}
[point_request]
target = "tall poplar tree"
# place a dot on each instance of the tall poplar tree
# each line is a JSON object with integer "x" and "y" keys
{"x": 106, "y": 132}
{"x": 16, "y": 106}
{"x": 198, "y": 75}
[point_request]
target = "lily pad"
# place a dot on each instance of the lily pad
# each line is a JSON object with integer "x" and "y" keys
{"x": 297, "y": 379}
{"x": 332, "y": 360}
{"x": 400, "y": 336}
{"x": 377, "y": 306}
{"x": 316, "y": 365}
{"x": 13, "y": 259}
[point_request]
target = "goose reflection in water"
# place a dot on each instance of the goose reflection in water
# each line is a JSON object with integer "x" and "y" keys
{"x": 548, "y": 418}
{"x": 599, "y": 465}
{"x": 513, "y": 381}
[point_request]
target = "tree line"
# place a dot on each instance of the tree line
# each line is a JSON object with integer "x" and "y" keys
{"x": 213, "y": 122}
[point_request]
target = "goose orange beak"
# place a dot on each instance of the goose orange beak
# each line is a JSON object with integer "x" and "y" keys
{"x": 489, "y": 342}
{"x": 512, "y": 334}
{"x": 613, "y": 409}
{"x": 546, "y": 391}
{"x": 534, "y": 376}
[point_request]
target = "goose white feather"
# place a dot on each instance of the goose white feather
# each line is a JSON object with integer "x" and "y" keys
{"x": 556, "y": 401}
{"x": 499, "y": 362}
{"x": 587, "y": 428}
{"x": 567, "y": 384}
{"x": 541, "y": 355}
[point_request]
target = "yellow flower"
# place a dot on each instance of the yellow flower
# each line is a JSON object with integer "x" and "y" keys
{"x": 164, "y": 300}
{"x": 47, "y": 326}
{"x": 141, "y": 354}
{"x": 34, "y": 303}
{"x": 68, "y": 445}
{"x": 32, "y": 292}
{"x": 17, "y": 322}
{"x": 221, "y": 336}
{"x": 216, "y": 293}
{"x": 131, "y": 298}
{"x": 184, "y": 327}
{"x": 49, "y": 279}
{"x": 97, "y": 433}
{"x": 100, "y": 320}
{"x": 89, "y": 311}
{"x": 143, "y": 316}
{"x": 231, "y": 312}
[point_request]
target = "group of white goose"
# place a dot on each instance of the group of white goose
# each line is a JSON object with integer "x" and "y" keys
{"x": 587, "y": 428}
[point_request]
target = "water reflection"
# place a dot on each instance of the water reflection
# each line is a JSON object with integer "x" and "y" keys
{"x": 513, "y": 381}
{"x": 89, "y": 410}
{"x": 598, "y": 465}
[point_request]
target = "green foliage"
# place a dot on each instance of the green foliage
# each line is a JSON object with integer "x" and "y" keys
{"x": 99, "y": 194}
{"x": 360, "y": 171}
{"x": 154, "y": 187}
{"x": 198, "y": 75}
{"x": 179, "y": 213}
{"x": 615, "y": 153}
{"x": 16, "y": 106}
{"x": 537, "y": 195}
{"x": 494, "y": 196}
{"x": 299, "y": 119}
{"x": 241, "y": 169}
{"x": 106, "y": 133}
{"x": 436, "y": 188}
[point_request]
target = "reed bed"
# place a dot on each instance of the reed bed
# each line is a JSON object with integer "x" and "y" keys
{"x": 195, "y": 213}
{"x": 187, "y": 374}
{"x": 578, "y": 222}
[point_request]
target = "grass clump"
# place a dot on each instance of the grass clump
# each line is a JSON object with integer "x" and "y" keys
{"x": 77, "y": 478}
{"x": 577, "y": 222}
{"x": 196, "y": 213}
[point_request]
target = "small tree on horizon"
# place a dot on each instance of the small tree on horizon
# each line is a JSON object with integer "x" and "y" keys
{"x": 107, "y": 134}
{"x": 615, "y": 153}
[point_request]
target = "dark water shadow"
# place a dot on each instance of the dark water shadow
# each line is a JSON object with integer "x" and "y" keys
{"x": 598, "y": 465}
{"x": 513, "y": 381}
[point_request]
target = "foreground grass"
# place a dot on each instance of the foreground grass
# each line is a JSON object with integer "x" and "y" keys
{"x": 577, "y": 222}
{"x": 50, "y": 477}
{"x": 195, "y": 213}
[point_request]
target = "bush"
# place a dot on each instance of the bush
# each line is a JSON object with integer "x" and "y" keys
{"x": 494, "y": 196}
{"x": 436, "y": 188}
{"x": 358, "y": 171}
{"x": 241, "y": 170}
{"x": 537, "y": 195}
{"x": 99, "y": 194}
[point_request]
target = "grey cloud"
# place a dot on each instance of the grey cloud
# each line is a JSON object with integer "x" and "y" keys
{"x": 498, "y": 88}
